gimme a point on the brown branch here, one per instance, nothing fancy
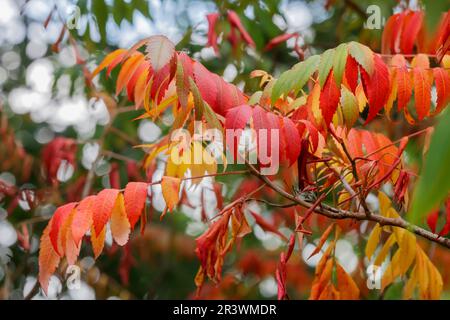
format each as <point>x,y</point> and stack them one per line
<point>338,214</point>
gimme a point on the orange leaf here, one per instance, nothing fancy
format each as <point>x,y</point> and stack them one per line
<point>346,286</point>
<point>102,208</point>
<point>170,190</point>
<point>127,70</point>
<point>48,259</point>
<point>58,219</point>
<point>82,219</point>
<point>422,92</point>
<point>404,87</point>
<point>322,240</point>
<point>115,55</point>
<point>120,226</point>
<point>98,241</point>
<point>135,196</point>
<point>71,250</point>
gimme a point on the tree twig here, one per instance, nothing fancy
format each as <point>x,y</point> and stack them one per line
<point>338,214</point>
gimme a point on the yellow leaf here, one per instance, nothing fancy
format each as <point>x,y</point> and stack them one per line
<point>410,284</point>
<point>361,97</point>
<point>98,241</point>
<point>170,189</point>
<point>435,284</point>
<point>385,250</point>
<point>120,226</point>
<point>372,242</point>
<point>385,203</point>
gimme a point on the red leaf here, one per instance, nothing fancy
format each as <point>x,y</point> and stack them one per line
<point>329,99</point>
<point>55,152</point>
<point>377,87</point>
<point>422,92</point>
<point>388,36</point>
<point>442,79</point>
<point>260,122</point>
<point>212,34</point>
<point>410,31</point>
<point>236,119</point>
<point>351,73</point>
<point>446,229</point>
<point>432,220</point>
<point>219,94</point>
<point>102,208</point>
<point>266,226</point>
<point>235,22</point>
<point>292,139</point>
<point>279,39</point>
<point>58,219</point>
<point>135,195</point>
<point>161,80</point>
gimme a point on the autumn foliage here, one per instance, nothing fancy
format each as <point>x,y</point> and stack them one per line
<point>332,158</point>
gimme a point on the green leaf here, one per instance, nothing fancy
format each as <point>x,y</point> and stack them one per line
<point>142,7</point>
<point>349,105</point>
<point>295,78</point>
<point>326,62</point>
<point>100,11</point>
<point>363,55</point>
<point>433,185</point>
<point>340,58</point>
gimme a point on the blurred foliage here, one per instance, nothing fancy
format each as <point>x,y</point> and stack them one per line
<point>162,262</point>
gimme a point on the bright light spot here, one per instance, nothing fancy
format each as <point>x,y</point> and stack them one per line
<point>268,287</point>
<point>298,16</point>
<point>346,256</point>
<point>85,292</point>
<point>230,72</point>
<point>36,49</point>
<point>8,235</point>
<point>90,153</point>
<point>11,60</point>
<point>306,252</point>
<point>8,178</point>
<point>67,57</point>
<point>26,196</point>
<point>269,240</point>
<point>39,75</point>
<point>23,100</point>
<point>102,168</point>
<point>195,228</point>
<point>65,171</point>
<point>148,131</point>
<point>9,11</point>
<point>44,135</point>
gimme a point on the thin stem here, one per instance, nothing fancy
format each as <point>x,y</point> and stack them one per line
<point>338,214</point>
